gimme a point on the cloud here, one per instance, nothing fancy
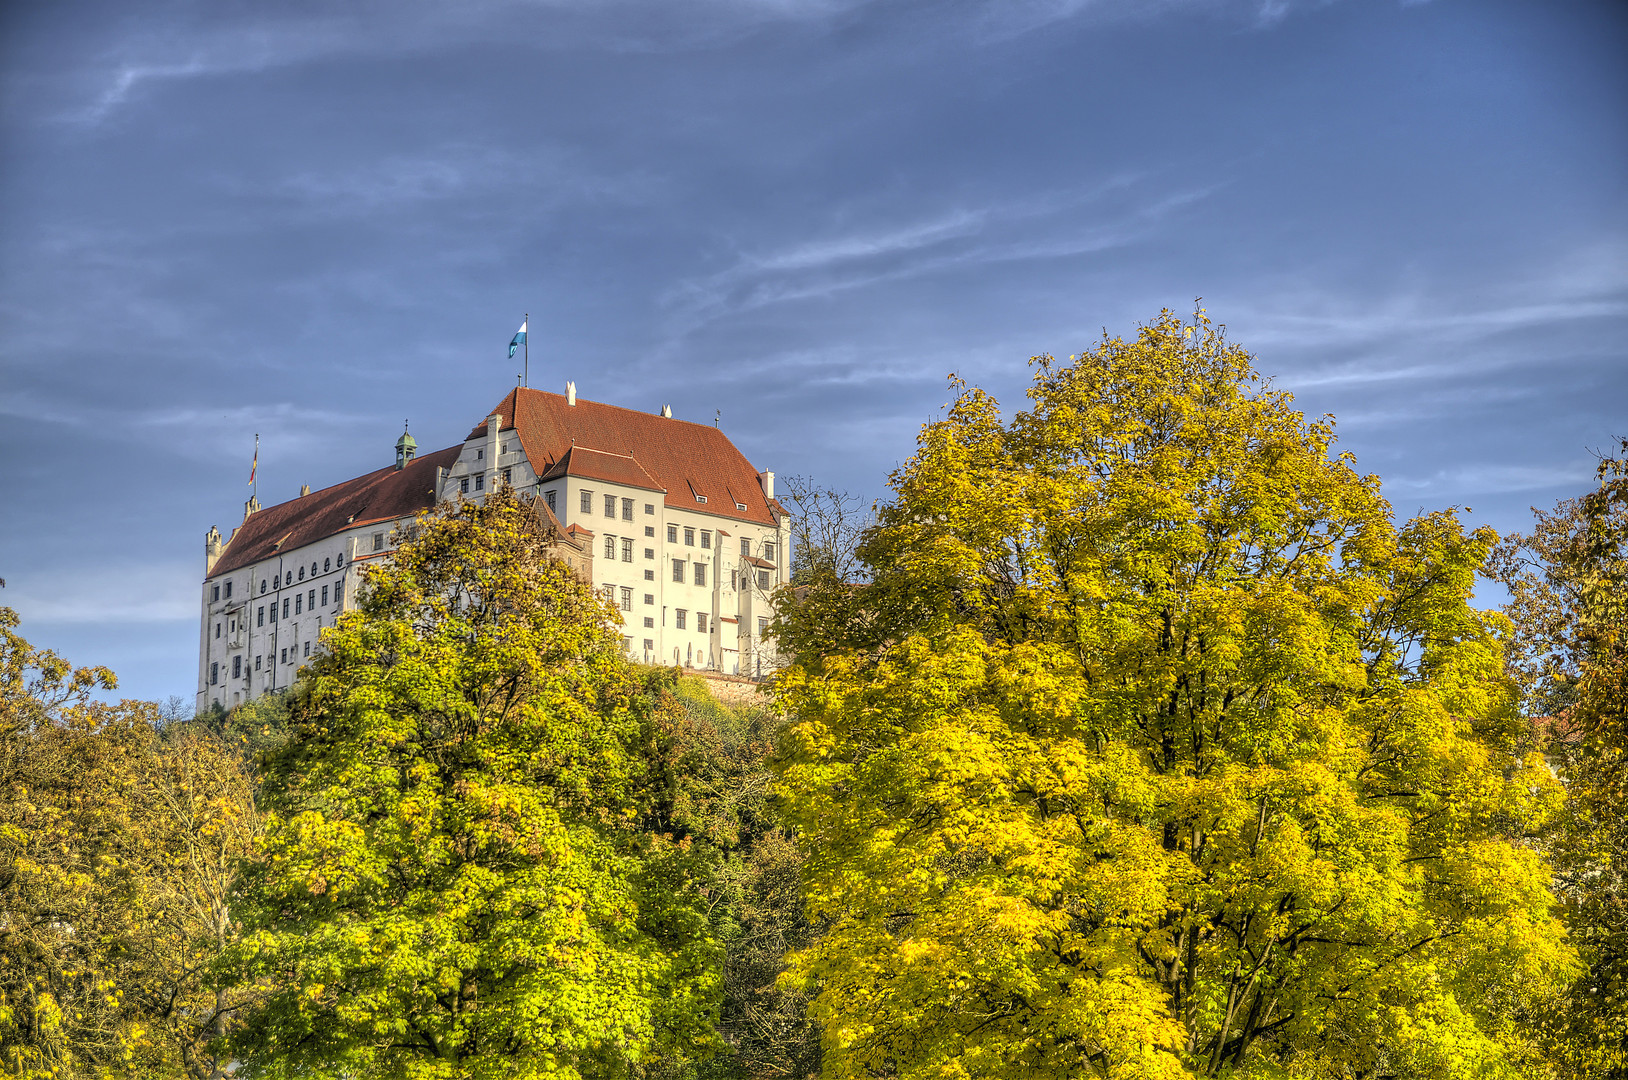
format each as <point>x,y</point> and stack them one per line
<point>109,592</point>
<point>1493,479</point>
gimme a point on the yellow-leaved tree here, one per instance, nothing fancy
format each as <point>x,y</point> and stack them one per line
<point>1155,747</point>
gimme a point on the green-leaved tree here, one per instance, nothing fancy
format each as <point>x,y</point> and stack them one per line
<point>1155,747</point>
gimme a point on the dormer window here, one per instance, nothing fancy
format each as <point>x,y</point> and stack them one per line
<point>700,498</point>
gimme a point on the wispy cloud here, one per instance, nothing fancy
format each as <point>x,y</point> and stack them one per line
<point>1493,479</point>
<point>146,591</point>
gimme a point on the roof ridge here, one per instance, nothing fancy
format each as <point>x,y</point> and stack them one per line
<point>619,408</point>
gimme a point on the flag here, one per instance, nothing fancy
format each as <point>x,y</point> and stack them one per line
<point>255,465</point>
<point>518,340</point>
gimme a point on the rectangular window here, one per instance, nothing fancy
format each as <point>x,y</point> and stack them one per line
<point>648,644</point>
<point>746,547</point>
<point>307,648</point>
<point>587,502</point>
<point>610,506</point>
<point>214,674</point>
<point>627,509</point>
<point>649,553</point>
<point>650,531</point>
<point>217,629</point>
<point>768,551</point>
<point>706,538</point>
<point>325,596</point>
<point>282,655</point>
<point>689,537</point>
<point>378,541</point>
<point>311,599</point>
<point>649,624</point>
<point>257,663</point>
<point>610,594</point>
<point>610,547</point>
<point>237,667</point>
<point>285,609</point>
<point>214,594</point>
<point>763,579</point>
<point>463,485</point>
<point>228,590</point>
<point>549,495</point>
<point>678,570</point>
<point>649,575</point>
<point>627,549</point>
<point>650,508</point>
<point>650,598</point>
<point>679,615</point>
<point>480,481</point>
<point>701,622</point>
<point>274,613</point>
<point>297,599</point>
<point>506,474</point>
<point>734,579</point>
<point>672,534</point>
<point>700,573</point>
<point>260,616</point>
<point>762,626</point>
<point>627,599</point>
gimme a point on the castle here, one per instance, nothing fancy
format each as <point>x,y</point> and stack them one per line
<point>665,517</point>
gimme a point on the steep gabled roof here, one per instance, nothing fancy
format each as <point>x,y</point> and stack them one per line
<point>384,495</point>
<point>594,464</point>
<point>684,459</point>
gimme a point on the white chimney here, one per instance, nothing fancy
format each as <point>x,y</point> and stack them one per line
<point>767,480</point>
<point>571,393</point>
<point>305,489</point>
<point>667,411</point>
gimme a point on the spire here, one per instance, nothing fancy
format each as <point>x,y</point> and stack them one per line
<point>406,447</point>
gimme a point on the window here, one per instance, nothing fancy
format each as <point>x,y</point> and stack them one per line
<point>649,624</point>
<point>740,506</point>
<point>339,560</point>
<point>282,655</point>
<point>650,598</point>
<point>627,509</point>
<point>701,622</point>
<point>706,538</point>
<point>480,481</point>
<point>610,593</point>
<point>762,626</point>
<point>627,549</point>
<point>734,579</point>
<point>228,590</point>
<point>313,570</point>
<point>587,502</point>
<point>549,495</point>
<point>648,644</point>
<point>302,573</point>
<point>689,537</point>
<point>700,498</point>
<point>325,596</point>
<point>506,476</point>
<point>700,573</point>
<point>679,615</point>
<point>214,674</point>
<point>326,564</point>
<point>311,599</point>
<point>214,594</point>
<point>649,575</point>
<point>274,612</point>
<point>746,547</point>
<point>307,648</point>
<point>257,663</point>
<point>463,485</point>
<point>378,541</point>
<point>650,508</point>
<point>627,644</point>
<point>285,609</point>
<point>768,551</point>
<point>480,455</point>
<point>610,547</point>
<point>262,586</point>
<point>260,616</point>
<point>763,579</point>
<point>217,629</point>
<point>610,506</point>
<point>672,534</point>
<point>627,599</point>
<point>678,570</point>
<point>650,531</point>
<point>297,599</point>
<point>649,553</point>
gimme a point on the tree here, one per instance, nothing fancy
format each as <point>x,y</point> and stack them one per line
<point>1154,747</point>
<point>119,839</point>
<point>826,528</point>
<point>1568,580</point>
<point>455,881</point>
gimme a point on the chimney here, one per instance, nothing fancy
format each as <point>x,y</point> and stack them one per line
<point>667,411</point>
<point>305,489</point>
<point>571,394</point>
<point>767,480</point>
<point>212,548</point>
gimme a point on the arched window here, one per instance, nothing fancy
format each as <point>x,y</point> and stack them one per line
<point>302,573</point>
<point>262,585</point>
<point>325,564</point>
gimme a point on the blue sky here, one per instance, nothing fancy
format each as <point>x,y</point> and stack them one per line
<point>314,220</point>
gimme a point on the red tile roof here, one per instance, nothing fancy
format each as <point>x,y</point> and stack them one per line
<point>384,495</point>
<point>594,464</point>
<point>683,458</point>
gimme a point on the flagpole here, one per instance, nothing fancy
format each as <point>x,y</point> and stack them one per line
<point>525,380</point>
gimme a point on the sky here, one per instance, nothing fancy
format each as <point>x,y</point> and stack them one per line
<point>798,217</point>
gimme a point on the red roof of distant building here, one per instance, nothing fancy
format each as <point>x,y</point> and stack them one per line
<point>594,464</point>
<point>682,458</point>
<point>384,495</point>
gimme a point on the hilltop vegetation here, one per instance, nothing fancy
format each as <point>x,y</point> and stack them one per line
<point>1134,737</point>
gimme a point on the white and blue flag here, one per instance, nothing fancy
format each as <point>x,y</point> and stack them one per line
<point>519,339</point>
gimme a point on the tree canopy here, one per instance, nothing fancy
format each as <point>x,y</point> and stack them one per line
<point>1154,747</point>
